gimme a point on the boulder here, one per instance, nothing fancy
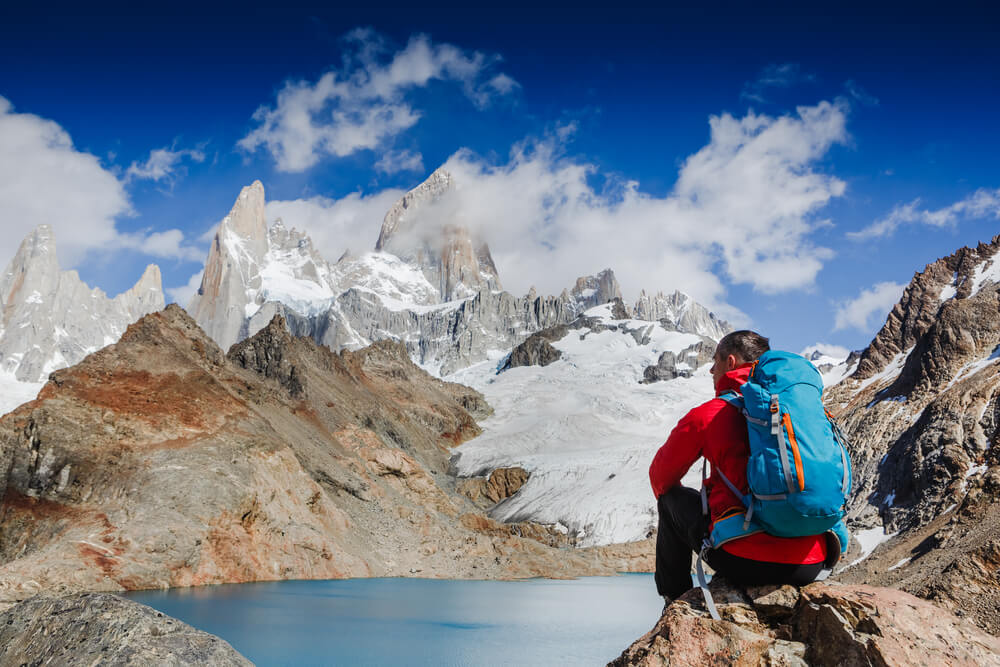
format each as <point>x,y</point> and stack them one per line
<point>99,628</point>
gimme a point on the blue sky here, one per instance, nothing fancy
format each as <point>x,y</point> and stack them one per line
<point>791,170</point>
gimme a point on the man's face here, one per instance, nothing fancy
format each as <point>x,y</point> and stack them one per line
<point>718,368</point>
<point>722,366</point>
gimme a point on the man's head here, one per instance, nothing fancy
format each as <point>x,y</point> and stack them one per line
<point>736,349</point>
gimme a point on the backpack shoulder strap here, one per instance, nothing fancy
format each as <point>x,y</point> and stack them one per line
<point>733,398</point>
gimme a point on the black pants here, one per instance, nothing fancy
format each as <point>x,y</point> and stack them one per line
<point>682,529</point>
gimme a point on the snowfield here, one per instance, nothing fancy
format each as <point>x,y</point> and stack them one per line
<point>585,429</point>
<point>14,393</point>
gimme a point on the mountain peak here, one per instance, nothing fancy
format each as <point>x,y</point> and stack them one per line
<point>49,318</point>
<point>247,218</point>
<point>452,258</point>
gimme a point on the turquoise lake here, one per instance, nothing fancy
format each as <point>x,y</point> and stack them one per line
<point>586,621</point>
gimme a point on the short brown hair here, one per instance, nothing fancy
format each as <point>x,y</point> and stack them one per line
<point>747,345</point>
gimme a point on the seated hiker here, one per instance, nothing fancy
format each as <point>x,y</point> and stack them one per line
<point>718,431</point>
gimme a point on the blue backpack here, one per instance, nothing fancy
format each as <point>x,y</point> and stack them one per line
<point>798,472</point>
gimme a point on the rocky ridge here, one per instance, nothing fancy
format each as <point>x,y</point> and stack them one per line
<point>922,413</point>
<point>429,284</point>
<point>160,461</point>
<point>50,319</point>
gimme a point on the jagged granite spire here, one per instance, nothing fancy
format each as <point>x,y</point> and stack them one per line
<point>232,268</point>
<point>682,312</point>
<point>50,319</point>
<point>451,258</point>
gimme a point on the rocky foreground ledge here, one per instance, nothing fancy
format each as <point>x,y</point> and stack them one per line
<point>99,628</point>
<point>821,624</point>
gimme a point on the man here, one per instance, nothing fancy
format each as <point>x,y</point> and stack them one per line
<point>717,431</point>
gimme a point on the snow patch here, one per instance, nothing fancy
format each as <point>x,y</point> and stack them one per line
<point>986,272</point>
<point>869,539</point>
<point>900,563</point>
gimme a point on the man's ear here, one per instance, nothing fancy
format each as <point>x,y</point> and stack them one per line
<point>732,362</point>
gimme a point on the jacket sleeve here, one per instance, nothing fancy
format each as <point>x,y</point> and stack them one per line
<point>677,454</point>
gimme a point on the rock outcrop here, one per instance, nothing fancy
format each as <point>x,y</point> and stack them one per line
<point>50,319</point>
<point>160,461</point>
<point>98,628</point>
<point>821,624</point>
<point>537,349</point>
<point>683,364</point>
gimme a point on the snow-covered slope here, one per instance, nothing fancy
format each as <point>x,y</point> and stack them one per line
<point>584,428</point>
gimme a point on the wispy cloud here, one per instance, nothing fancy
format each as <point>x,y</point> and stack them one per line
<point>364,104</point>
<point>162,164</point>
<point>863,97</point>
<point>774,76</point>
<point>981,204</point>
<point>396,161</point>
<point>875,302</point>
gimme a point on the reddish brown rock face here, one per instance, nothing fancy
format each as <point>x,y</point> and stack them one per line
<point>823,624</point>
<point>160,461</point>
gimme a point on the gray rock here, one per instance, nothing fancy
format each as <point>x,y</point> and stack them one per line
<point>683,364</point>
<point>99,628</point>
<point>50,319</point>
<point>536,350</point>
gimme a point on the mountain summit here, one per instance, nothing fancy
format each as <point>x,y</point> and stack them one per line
<point>50,319</point>
<point>420,230</point>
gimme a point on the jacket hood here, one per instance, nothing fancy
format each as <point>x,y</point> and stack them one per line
<point>733,380</point>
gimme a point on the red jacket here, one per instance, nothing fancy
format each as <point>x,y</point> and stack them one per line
<point>717,431</point>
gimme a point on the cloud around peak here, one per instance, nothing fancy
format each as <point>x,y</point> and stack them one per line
<point>743,208</point>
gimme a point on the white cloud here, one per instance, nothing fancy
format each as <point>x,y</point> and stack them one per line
<point>363,105</point>
<point>981,204</point>
<point>169,244</point>
<point>45,180</point>
<point>161,164</point>
<point>182,295</point>
<point>774,76</point>
<point>858,313</point>
<point>396,161</point>
<point>337,225</point>
<point>746,203</point>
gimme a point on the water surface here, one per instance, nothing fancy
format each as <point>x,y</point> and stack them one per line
<point>585,621</point>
